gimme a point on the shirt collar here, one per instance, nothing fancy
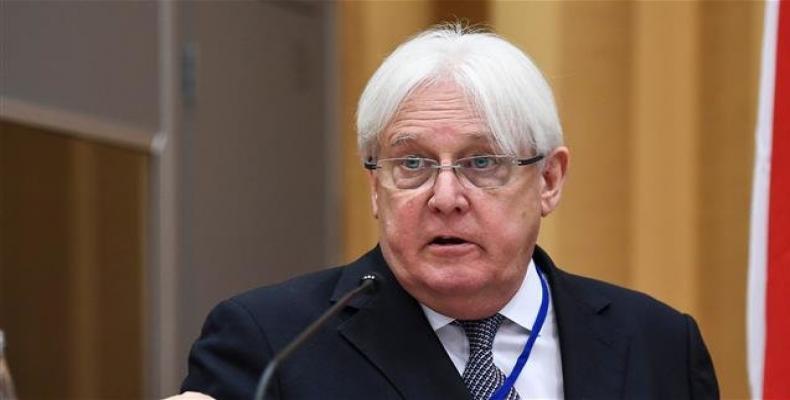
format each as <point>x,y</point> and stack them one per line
<point>522,309</point>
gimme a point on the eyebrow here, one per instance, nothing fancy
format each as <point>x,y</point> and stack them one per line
<point>404,138</point>
<point>400,139</point>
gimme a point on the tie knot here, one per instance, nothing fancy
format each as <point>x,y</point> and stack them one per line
<point>481,332</point>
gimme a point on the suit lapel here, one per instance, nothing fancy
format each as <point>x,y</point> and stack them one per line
<point>593,351</point>
<point>391,331</point>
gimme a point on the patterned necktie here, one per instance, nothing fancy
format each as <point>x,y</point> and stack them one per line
<point>481,376</point>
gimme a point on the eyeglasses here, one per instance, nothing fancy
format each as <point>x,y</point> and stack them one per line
<point>484,171</point>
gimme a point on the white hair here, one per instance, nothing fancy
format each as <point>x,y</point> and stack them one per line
<point>504,86</point>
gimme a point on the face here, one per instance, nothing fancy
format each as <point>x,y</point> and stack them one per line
<point>461,251</point>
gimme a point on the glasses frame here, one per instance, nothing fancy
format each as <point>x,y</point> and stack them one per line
<point>455,166</point>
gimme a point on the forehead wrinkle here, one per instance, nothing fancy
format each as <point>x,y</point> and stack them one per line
<point>469,125</point>
<point>405,138</point>
<point>442,104</point>
<point>416,118</point>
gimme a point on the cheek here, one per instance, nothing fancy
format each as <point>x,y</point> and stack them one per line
<point>513,224</point>
<point>399,218</point>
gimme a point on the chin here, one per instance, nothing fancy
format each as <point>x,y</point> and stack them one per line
<point>460,298</point>
<point>455,281</point>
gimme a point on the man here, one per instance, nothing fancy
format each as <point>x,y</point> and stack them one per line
<point>463,143</point>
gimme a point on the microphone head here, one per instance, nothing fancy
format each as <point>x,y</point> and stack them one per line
<point>372,280</point>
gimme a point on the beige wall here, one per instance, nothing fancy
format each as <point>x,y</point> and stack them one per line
<point>658,103</point>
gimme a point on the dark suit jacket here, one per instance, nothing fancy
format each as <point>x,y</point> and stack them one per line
<point>614,343</point>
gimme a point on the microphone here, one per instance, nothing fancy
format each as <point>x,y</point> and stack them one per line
<point>370,283</point>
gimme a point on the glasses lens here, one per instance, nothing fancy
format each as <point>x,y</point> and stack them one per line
<point>486,171</point>
<point>407,173</point>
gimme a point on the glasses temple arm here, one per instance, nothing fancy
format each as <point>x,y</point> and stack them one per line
<point>531,160</point>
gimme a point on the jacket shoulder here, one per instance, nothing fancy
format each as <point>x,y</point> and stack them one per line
<point>243,332</point>
<point>306,294</point>
<point>634,310</point>
<point>667,354</point>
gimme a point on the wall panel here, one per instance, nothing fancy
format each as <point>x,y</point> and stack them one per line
<point>730,35</point>
<point>72,224</point>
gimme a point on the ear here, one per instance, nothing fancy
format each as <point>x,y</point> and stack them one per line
<point>373,182</point>
<point>553,177</point>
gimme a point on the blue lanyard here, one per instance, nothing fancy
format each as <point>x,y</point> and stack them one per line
<point>501,394</point>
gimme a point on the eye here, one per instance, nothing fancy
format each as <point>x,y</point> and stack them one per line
<point>482,162</point>
<point>412,163</point>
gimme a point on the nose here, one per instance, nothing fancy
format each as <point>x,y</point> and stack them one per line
<point>448,194</point>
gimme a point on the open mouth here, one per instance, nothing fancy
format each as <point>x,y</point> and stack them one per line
<point>448,241</point>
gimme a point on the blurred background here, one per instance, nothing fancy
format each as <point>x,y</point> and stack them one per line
<point>157,157</point>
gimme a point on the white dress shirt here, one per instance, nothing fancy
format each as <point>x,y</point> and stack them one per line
<point>541,377</point>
